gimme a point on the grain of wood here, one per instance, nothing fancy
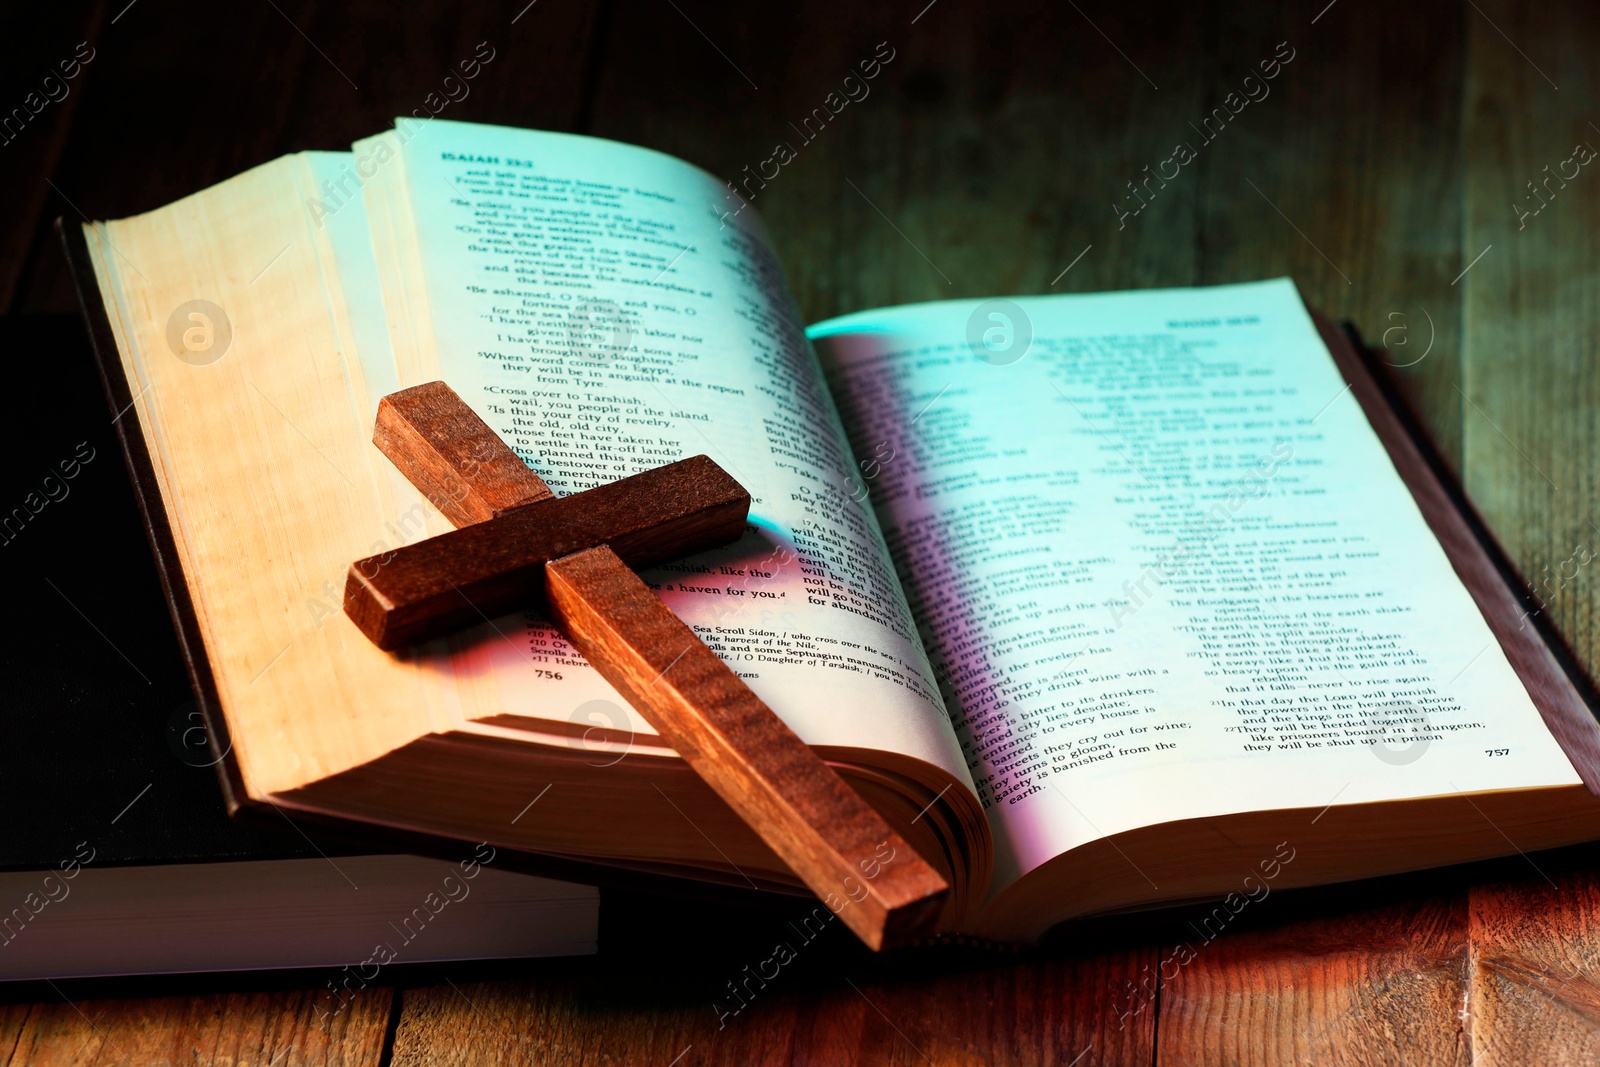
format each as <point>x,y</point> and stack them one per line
<point>1364,985</point>
<point>479,571</point>
<point>268,1029</point>
<point>1530,378</point>
<point>825,1012</point>
<point>1535,978</point>
<point>1529,386</point>
<point>459,463</point>
<point>860,868</point>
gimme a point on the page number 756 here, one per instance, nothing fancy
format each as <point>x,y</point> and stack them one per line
<point>1497,752</point>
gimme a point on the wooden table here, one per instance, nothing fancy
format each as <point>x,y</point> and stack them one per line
<point>1380,172</point>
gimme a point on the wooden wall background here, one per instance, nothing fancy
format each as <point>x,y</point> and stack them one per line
<point>1381,173</point>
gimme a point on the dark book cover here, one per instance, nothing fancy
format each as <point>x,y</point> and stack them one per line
<point>105,746</point>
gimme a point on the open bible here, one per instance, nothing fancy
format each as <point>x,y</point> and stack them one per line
<point>1103,601</point>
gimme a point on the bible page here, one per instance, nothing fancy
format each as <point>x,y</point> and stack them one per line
<point>1166,566</point>
<point>602,308</point>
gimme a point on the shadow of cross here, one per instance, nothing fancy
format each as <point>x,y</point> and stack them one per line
<point>517,544</point>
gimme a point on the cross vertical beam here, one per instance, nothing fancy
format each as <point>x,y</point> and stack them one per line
<point>565,552</point>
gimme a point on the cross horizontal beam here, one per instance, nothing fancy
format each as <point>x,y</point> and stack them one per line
<point>427,589</point>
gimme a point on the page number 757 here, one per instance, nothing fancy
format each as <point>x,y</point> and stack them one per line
<point>1491,752</point>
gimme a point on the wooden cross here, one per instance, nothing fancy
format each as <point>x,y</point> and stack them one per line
<point>517,543</point>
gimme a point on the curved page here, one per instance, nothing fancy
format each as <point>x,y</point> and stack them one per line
<point>589,300</point>
<point>1168,566</point>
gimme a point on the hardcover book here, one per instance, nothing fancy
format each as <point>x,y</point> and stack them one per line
<point>1104,601</point>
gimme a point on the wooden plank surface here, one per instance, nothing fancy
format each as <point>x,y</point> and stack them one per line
<point>1529,387</point>
<point>1530,378</point>
<point>1361,981</point>
<point>267,1029</point>
<point>986,159</point>
<point>1015,1014</point>
<point>662,996</point>
<point>1535,971</point>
